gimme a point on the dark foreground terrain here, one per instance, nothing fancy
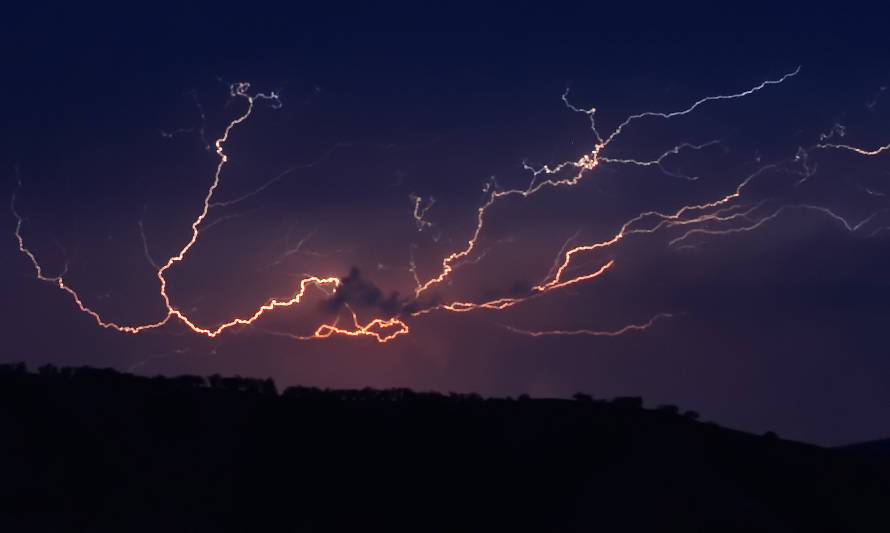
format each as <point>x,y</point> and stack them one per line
<point>95,450</point>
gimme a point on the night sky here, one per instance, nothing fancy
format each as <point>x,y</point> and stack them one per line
<point>110,118</point>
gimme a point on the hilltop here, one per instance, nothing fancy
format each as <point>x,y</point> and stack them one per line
<point>96,450</point>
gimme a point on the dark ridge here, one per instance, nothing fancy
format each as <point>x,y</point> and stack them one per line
<point>877,447</point>
<point>876,452</point>
<point>87,449</point>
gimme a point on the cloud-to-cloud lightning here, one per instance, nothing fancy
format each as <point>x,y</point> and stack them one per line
<point>590,332</point>
<point>724,215</point>
<point>861,151</point>
<point>377,328</point>
<point>581,166</point>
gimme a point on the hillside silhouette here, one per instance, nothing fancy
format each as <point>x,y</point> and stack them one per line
<point>88,449</point>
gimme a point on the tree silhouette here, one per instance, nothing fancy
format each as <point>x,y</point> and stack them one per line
<point>98,450</point>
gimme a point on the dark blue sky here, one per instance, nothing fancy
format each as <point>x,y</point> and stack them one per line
<point>782,328</point>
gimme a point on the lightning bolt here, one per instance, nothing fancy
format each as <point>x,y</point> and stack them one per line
<point>692,220</point>
<point>419,211</point>
<point>239,90</point>
<point>861,151</point>
<point>275,179</point>
<point>582,166</point>
<point>590,332</point>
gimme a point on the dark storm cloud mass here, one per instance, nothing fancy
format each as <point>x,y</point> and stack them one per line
<point>361,293</point>
<point>781,328</point>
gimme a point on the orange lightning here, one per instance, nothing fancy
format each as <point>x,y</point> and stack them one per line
<point>237,90</point>
<point>60,282</point>
<point>727,213</point>
<point>583,164</point>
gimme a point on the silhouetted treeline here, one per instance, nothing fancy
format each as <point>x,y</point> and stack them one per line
<point>86,449</point>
